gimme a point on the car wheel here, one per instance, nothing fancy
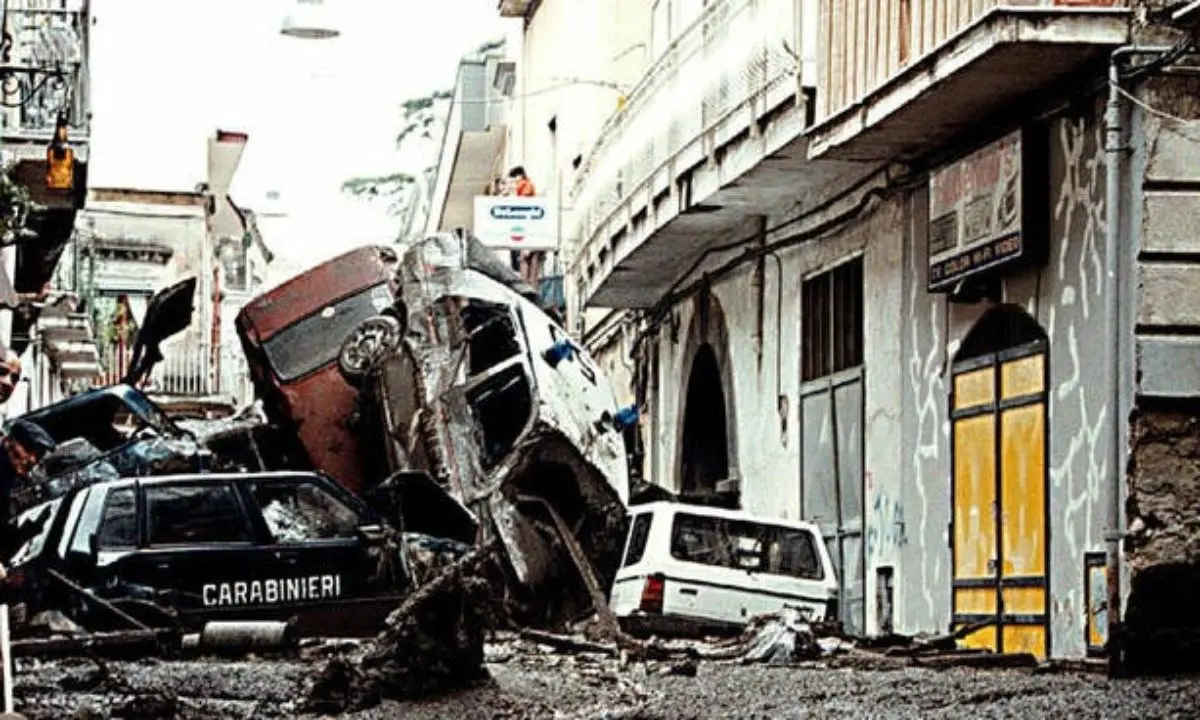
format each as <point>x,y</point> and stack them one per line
<point>367,347</point>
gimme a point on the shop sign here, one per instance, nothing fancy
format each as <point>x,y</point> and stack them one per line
<point>977,207</point>
<point>516,223</point>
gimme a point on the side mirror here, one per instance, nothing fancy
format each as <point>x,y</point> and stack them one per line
<point>94,545</point>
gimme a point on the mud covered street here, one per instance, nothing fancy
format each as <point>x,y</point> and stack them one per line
<point>530,681</point>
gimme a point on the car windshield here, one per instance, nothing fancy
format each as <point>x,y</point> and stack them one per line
<point>313,342</point>
<point>745,545</point>
<point>33,547</point>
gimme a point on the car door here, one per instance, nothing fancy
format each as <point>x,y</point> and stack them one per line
<point>316,552</point>
<point>196,543</point>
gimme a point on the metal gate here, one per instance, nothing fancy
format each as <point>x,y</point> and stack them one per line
<point>999,482</point>
<point>831,480</point>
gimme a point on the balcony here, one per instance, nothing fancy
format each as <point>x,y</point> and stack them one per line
<point>49,74</point>
<point>473,143</point>
<point>517,8</point>
<point>900,77</point>
<point>710,136</point>
<point>189,371</point>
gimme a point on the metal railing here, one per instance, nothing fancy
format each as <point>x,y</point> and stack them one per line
<point>187,370</point>
<point>50,36</point>
<point>736,51</point>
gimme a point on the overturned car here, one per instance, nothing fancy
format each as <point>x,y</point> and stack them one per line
<point>477,418</point>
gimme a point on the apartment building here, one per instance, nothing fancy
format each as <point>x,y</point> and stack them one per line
<point>921,271</point>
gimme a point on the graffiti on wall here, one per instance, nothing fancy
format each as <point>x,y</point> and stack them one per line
<point>886,529</point>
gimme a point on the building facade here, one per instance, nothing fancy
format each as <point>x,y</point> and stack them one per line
<point>921,272</point>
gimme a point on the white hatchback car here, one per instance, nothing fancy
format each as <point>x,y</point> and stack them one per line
<point>691,568</point>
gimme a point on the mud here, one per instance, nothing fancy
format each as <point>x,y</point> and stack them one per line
<point>526,680</point>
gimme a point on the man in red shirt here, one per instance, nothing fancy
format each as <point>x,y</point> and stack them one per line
<point>529,264</point>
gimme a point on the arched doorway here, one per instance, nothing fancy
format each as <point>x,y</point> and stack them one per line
<point>999,484</point>
<point>705,427</point>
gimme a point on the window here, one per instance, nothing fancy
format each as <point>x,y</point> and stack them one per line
<point>831,318</point>
<point>639,534</point>
<point>313,342</point>
<point>744,545</point>
<point>501,406</point>
<point>118,523</point>
<point>191,514</point>
<point>492,333</point>
<point>302,511</point>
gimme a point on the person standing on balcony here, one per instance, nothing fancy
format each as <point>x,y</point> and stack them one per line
<point>529,264</point>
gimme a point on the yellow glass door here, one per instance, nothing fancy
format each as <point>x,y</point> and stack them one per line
<point>999,522</point>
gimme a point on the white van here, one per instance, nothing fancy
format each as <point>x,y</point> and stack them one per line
<point>690,568</point>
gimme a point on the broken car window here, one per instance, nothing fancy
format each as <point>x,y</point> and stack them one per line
<point>187,515</point>
<point>300,512</point>
<point>33,547</point>
<point>502,405</point>
<point>492,333</point>
<point>639,533</point>
<point>118,524</point>
<point>745,545</point>
<point>313,342</point>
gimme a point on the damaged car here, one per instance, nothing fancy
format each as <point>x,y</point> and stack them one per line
<point>291,336</point>
<point>183,550</point>
<point>118,431</point>
<point>493,424</point>
<point>693,570</point>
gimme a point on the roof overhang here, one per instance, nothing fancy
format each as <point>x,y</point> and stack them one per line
<point>1001,59</point>
<point>470,175</point>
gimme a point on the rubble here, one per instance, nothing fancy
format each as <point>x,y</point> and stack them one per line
<point>432,643</point>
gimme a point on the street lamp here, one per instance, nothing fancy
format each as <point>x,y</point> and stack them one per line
<point>310,20</point>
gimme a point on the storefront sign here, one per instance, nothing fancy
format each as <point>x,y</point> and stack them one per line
<point>516,223</point>
<point>977,209</point>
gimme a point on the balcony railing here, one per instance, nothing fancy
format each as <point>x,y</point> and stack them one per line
<point>736,52</point>
<point>187,370</point>
<point>865,44</point>
<point>50,36</point>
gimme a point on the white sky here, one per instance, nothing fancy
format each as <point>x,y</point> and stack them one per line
<point>167,73</point>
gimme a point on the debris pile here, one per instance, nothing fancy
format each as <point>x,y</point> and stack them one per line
<point>432,643</point>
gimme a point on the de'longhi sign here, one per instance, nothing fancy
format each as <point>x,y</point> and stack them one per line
<point>516,223</point>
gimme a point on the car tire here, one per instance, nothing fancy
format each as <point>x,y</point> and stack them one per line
<point>365,349</point>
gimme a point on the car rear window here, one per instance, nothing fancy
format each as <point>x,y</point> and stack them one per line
<point>745,545</point>
<point>313,342</point>
<point>639,534</point>
<point>194,514</point>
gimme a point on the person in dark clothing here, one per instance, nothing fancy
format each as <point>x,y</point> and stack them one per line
<point>25,444</point>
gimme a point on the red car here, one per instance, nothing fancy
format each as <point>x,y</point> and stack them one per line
<point>291,336</point>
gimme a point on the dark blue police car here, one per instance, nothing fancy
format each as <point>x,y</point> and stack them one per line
<point>185,549</point>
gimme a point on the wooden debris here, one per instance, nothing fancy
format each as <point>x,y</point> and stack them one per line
<point>976,660</point>
<point>567,643</point>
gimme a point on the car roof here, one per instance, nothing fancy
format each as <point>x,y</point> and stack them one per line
<point>667,507</point>
<point>86,397</point>
<point>151,480</point>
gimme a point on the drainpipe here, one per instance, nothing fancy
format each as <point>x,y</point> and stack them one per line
<point>758,288</point>
<point>1115,150</point>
